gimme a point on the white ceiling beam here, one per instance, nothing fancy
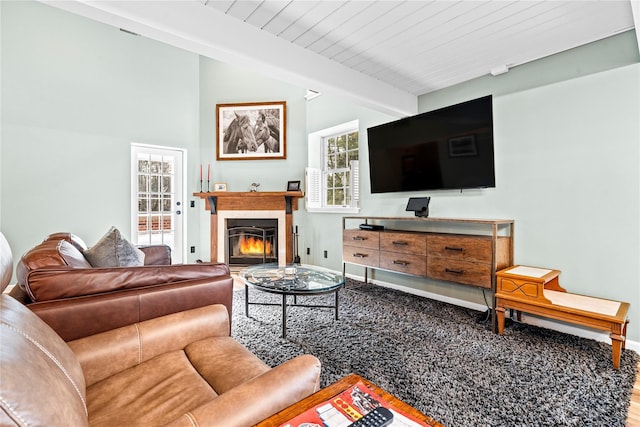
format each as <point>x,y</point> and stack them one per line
<point>196,28</point>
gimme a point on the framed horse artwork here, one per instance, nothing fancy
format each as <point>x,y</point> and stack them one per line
<point>251,131</point>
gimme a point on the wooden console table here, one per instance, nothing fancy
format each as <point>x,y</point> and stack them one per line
<point>538,291</point>
<point>286,201</point>
<point>412,247</point>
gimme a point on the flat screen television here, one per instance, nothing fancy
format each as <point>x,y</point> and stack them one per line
<point>448,148</point>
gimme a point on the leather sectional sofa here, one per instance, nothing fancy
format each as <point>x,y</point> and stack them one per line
<point>179,370</point>
<point>58,284</point>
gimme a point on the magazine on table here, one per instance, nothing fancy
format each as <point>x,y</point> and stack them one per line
<point>349,406</point>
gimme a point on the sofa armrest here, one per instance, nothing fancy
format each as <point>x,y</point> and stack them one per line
<point>64,282</point>
<point>260,397</point>
<point>156,254</point>
<point>108,353</point>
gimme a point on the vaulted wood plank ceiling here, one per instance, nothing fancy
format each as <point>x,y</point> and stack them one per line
<point>421,46</point>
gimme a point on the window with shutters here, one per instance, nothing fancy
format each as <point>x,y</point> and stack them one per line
<point>332,178</point>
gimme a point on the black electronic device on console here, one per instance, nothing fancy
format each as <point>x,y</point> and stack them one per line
<point>419,205</point>
<point>373,227</point>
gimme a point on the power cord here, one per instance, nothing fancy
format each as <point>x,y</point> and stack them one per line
<point>486,316</point>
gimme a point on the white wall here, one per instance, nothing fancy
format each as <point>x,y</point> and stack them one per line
<point>75,94</point>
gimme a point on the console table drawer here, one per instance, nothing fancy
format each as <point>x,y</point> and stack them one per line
<point>361,238</point>
<point>468,248</point>
<point>468,273</point>
<point>363,256</point>
<point>404,263</point>
<point>409,243</point>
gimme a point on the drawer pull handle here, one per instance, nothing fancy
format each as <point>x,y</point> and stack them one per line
<point>359,238</point>
<point>448,270</point>
<point>359,255</point>
<point>453,248</point>
<point>400,243</point>
<point>400,262</point>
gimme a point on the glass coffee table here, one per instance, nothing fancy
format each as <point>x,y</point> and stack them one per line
<point>291,281</point>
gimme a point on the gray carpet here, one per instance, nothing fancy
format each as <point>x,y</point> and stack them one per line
<point>439,358</point>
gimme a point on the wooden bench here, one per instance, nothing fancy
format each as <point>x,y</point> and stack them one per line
<point>538,291</point>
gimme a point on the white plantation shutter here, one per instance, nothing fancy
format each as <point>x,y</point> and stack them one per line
<point>313,179</point>
<point>355,184</point>
<point>322,162</point>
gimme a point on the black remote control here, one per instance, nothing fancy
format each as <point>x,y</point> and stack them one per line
<point>379,417</point>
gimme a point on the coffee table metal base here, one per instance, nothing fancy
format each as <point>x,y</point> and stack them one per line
<point>284,304</point>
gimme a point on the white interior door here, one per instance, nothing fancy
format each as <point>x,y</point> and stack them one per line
<point>157,198</point>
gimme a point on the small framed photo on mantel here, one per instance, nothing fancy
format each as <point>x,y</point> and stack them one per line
<point>219,186</point>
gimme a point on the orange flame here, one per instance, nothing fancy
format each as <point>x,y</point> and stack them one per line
<point>253,246</point>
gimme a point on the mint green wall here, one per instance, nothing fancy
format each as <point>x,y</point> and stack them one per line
<point>567,165</point>
<point>75,94</point>
<point>323,231</point>
<point>222,84</point>
<point>567,170</point>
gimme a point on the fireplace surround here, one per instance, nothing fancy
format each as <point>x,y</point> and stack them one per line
<point>225,205</point>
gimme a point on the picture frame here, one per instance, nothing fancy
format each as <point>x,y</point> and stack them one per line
<point>251,131</point>
<point>219,186</point>
<point>293,186</point>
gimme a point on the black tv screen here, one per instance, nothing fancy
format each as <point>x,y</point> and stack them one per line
<point>448,148</point>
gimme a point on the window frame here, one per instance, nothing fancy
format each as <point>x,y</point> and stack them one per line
<point>317,158</point>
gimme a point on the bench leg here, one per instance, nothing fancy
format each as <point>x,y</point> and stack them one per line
<point>500,314</point>
<point>617,343</point>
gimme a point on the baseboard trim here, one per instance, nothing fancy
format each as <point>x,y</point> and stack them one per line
<point>526,318</point>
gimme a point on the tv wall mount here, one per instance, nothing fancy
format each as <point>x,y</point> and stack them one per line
<point>419,205</point>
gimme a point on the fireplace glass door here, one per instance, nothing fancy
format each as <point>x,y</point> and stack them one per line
<point>251,241</point>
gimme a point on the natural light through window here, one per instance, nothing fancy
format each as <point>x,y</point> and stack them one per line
<point>332,178</point>
<point>156,197</point>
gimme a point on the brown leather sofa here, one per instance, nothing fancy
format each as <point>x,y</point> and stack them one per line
<point>58,284</point>
<point>179,370</point>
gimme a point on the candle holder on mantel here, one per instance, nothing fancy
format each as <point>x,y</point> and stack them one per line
<point>207,187</point>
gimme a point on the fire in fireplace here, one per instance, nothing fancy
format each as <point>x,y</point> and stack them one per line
<point>251,241</point>
<point>251,245</point>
